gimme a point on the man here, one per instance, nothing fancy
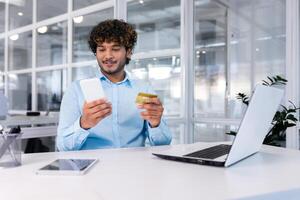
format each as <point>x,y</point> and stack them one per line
<point>115,121</point>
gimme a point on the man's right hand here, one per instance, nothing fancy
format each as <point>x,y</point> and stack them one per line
<point>93,112</point>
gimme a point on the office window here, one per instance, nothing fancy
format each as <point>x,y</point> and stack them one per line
<point>157,23</point>
<point>164,75</point>
<point>210,59</point>
<point>84,72</point>
<point>257,47</point>
<point>2,17</point>
<point>1,55</point>
<point>52,44</point>
<point>19,91</point>
<point>212,132</point>
<point>241,75</point>
<point>50,88</point>
<point>2,65</point>
<point>158,26</point>
<point>1,83</point>
<point>269,41</point>
<point>20,51</point>
<point>47,9</point>
<point>177,130</point>
<point>20,13</point>
<point>82,27</point>
<point>257,50</point>
<point>77,4</point>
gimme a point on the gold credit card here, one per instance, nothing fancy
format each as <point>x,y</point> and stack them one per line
<point>142,98</point>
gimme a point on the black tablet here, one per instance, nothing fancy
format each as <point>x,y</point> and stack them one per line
<point>67,167</point>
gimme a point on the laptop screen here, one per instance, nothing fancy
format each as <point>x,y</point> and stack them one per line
<point>256,123</point>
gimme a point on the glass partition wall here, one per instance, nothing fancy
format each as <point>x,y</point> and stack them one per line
<point>237,45</point>
<point>156,57</point>
<point>43,47</point>
<point>234,44</point>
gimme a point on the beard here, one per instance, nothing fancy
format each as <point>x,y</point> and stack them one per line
<point>112,70</point>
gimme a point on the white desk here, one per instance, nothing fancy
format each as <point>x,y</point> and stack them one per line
<point>29,120</point>
<point>49,123</point>
<point>136,174</point>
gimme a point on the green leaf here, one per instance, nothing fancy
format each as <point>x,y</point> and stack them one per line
<point>281,79</point>
<point>271,80</point>
<point>284,107</point>
<point>231,133</point>
<point>291,117</point>
<point>283,118</point>
<point>290,125</point>
<point>265,83</point>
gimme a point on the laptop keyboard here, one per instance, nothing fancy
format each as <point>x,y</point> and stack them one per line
<point>211,152</point>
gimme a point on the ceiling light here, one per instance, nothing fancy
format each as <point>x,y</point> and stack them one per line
<point>14,37</point>
<point>20,14</point>
<point>204,52</point>
<point>176,70</point>
<point>200,3</point>
<point>160,72</point>
<point>173,60</point>
<point>141,1</point>
<point>42,29</point>
<point>78,19</point>
<point>140,73</point>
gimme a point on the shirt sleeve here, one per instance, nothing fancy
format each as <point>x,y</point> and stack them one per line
<point>160,135</point>
<point>70,136</point>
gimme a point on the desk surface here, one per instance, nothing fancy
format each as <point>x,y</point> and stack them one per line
<point>136,174</point>
<point>48,128</point>
<point>29,120</point>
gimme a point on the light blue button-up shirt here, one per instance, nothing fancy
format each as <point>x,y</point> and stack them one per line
<point>123,128</point>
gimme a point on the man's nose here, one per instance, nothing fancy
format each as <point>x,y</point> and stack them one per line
<point>108,54</point>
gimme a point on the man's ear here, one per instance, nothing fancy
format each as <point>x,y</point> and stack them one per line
<point>129,53</point>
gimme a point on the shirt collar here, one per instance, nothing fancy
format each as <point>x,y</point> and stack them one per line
<point>126,80</point>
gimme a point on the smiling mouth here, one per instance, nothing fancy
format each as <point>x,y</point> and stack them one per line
<point>109,62</point>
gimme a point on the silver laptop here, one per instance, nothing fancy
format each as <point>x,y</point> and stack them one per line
<point>252,131</point>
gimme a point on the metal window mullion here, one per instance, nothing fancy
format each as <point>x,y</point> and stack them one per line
<point>292,66</point>
<point>6,50</point>
<point>219,121</point>
<point>70,43</point>
<point>252,48</point>
<point>187,75</point>
<point>33,62</point>
<point>93,8</point>
<point>21,71</point>
<point>20,30</point>
<point>51,20</point>
<point>157,54</point>
<point>227,64</point>
<point>50,68</point>
<point>120,9</point>
<point>84,63</point>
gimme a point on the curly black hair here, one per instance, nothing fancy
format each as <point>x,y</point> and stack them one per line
<point>113,30</point>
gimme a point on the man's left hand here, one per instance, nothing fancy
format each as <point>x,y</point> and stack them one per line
<point>153,111</point>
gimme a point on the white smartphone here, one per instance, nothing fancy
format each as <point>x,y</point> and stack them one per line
<point>67,167</point>
<point>92,89</point>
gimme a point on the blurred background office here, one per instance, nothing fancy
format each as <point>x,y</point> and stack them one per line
<point>198,54</point>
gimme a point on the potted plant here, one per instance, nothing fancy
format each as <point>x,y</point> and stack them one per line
<point>283,119</point>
